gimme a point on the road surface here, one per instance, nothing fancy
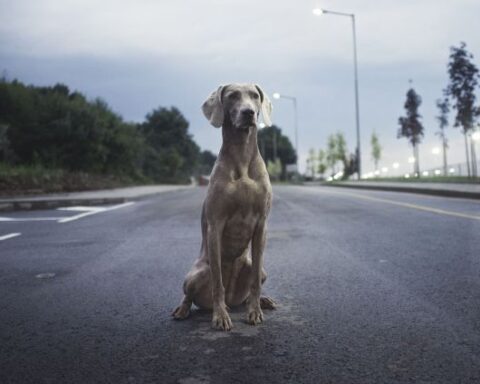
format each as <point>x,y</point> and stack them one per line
<point>373,287</point>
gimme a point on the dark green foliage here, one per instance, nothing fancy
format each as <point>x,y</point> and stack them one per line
<point>464,77</point>
<point>463,80</point>
<point>58,129</point>
<point>171,152</point>
<point>268,137</point>
<point>410,125</point>
<point>206,162</point>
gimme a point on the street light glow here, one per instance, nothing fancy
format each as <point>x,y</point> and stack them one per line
<point>476,136</point>
<point>436,150</point>
<point>317,11</point>
<point>276,95</point>
<point>411,159</point>
<point>395,165</point>
<point>262,125</point>
<point>384,169</point>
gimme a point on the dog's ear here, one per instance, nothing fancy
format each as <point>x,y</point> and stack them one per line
<point>266,107</point>
<point>213,108</point>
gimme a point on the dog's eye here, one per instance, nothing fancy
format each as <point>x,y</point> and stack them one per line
<point>234,95</point>
<point>255,96</point>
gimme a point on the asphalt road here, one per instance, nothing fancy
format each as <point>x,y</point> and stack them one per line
<point>373,287</point>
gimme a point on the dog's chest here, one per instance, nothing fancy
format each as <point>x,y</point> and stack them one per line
<point>247,196</point>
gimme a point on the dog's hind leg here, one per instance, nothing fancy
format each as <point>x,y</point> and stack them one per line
<point>197,289</point>
<point>183,310</point>
<point>265,301</point>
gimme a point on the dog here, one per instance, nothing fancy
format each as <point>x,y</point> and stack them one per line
<point>234,213</point>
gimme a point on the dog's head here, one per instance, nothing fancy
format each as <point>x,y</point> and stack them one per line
<point>239,104</point>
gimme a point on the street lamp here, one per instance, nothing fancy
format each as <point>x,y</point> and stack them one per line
<point>277,96</point>
<point>319,12</point>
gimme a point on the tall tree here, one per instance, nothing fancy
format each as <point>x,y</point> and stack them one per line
<point>443,107</point>
<point>341,147</point>
<point>322,165</point>
<point>172,154</point>
<point>463,80</point>
<point>312,162</point>
<point>283,148</point>
<point>410,125</point>
<point>332,153</point>
<point>376,149</point>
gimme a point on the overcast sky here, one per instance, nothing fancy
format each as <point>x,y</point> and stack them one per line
<point>139,55</point>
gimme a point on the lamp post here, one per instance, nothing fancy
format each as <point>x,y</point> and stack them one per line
<point>277,96</point>
<point>319,12</point>
<point>475,138</point>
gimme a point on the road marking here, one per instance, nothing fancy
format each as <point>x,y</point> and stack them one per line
<point>408,205</point>
<point>85,211</point>
<point>30,219</point>
<point>9,236</point>
<point>89,211</point>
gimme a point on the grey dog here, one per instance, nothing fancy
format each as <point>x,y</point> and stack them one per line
<point>234,213</point>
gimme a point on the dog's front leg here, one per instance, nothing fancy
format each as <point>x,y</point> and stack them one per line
<point>221,319</point>
<point>254,312</point>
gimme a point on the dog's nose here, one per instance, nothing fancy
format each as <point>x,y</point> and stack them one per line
<point>248,112</point>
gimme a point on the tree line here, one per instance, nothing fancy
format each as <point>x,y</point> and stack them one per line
<point>61,129</point>
<point>458,96</point>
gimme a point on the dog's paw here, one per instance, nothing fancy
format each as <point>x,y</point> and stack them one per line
<point>221,320</point>
<point>267,303</point>
<point>255,316</point>
<point>181,312</point>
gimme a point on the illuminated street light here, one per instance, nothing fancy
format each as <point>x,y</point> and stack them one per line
<point>425,173</point>
<point>395,165</point>
<point>276,95</point>
<point>411,159</point>
<point>436,151</point>
<point>384,169</point>
<point>476,136</point>
<point>318,12</point>
<point>262,125</point>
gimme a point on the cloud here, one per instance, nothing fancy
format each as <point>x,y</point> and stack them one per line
<point>138,55</point>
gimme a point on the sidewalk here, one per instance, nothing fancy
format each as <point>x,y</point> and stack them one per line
<point>465,190</point>
<point>106,196</point>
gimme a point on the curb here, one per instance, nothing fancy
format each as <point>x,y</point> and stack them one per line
<point>30,204</point>
<point>422,191</point>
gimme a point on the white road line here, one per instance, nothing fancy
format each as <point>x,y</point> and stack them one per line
<point>406,205</point>
<point>91,211</point>
<point>82,209</point>
<point>29,219</point>
<point>9,236</point>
